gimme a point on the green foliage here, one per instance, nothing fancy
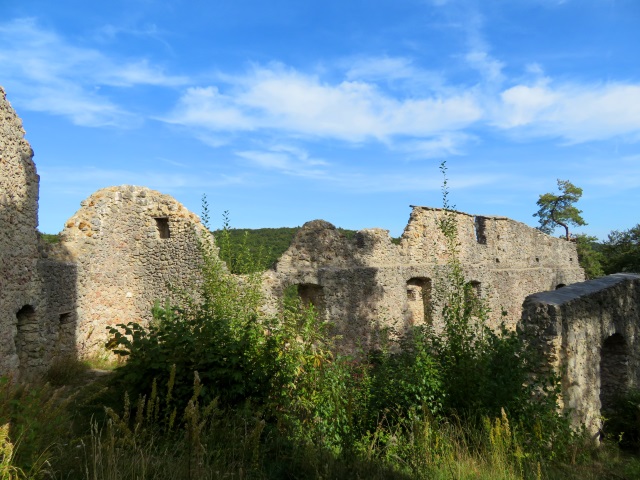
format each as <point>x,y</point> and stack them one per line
<point>621,251</point>
<point>486,371</point>
<point>559,210</point>
<point>36,417</point>
<point>622,422</point>
<point>241,255</point>
<point>405,382</point>
<point>282,364</point>
<point>66,371</point>
<point>590,255</point>
<point>50,237</point>
<point>266,243</point>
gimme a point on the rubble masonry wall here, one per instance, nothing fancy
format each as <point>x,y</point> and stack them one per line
<point>369,283</point>
<point>588,333</point>
<point>131,246</point>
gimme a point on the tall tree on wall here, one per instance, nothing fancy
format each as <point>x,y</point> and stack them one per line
<point>559,210</point>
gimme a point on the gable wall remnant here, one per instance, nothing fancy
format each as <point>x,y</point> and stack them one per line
<point>370,283</point>
<point>132,246</point>
<point>124,249</point>
<point>589,333</point>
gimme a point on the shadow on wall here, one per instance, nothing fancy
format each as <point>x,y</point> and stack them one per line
<point>44,321</point>
<point>614,371</point>
<point>327,270</point>
<point>46,329</point>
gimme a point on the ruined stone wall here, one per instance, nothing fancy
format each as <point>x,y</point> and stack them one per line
<point>130,244</point>
<point>124,247</point>
<point>368,283</point>
<point>589,333</point>
<point>118,254</point>
<point>36,293</point>
<point>18,241</point>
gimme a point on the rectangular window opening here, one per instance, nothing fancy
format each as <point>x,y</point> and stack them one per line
<point>480,227</point>
<point>163,227</point>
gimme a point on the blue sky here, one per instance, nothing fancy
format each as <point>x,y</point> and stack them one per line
<point>287,111</point>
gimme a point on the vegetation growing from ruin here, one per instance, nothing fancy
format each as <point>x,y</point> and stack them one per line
<point>388,413</point>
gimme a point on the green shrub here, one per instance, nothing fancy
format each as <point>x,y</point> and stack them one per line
<point>622,422</point>
<point>37,419</point>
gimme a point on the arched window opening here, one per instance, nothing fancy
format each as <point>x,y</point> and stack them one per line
<point>27,333</point>
<point>472,295</point>
<point>419,300</point>
<point>614,370</point>
<point>312,294</point>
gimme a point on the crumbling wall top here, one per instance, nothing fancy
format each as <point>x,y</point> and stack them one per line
<point>125,209</point>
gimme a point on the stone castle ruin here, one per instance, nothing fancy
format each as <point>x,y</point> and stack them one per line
<point>370,283</point>
<point>129,246</point>
<point>120,252</point>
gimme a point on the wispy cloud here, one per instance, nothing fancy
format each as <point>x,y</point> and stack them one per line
<point>410,181</point>
<point>47,73</point>
<point>286,159</point>
<point>73,179</point>
<point>625,176</point>
<point>445,145</point>
<point>371,98</point>
<point>380,68</point>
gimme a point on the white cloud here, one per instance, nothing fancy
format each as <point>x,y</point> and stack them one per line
<point>486,65</point>
<point>575,112</point>
<point>523,104</point>
<point>208,109</point>
<point>80,106</point>
<point>138,72</point>
<point>282,99</point>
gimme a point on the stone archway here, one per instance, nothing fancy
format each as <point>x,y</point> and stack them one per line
<point>614,370</point>
<point>26,339</point>
<point>419,300</point>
